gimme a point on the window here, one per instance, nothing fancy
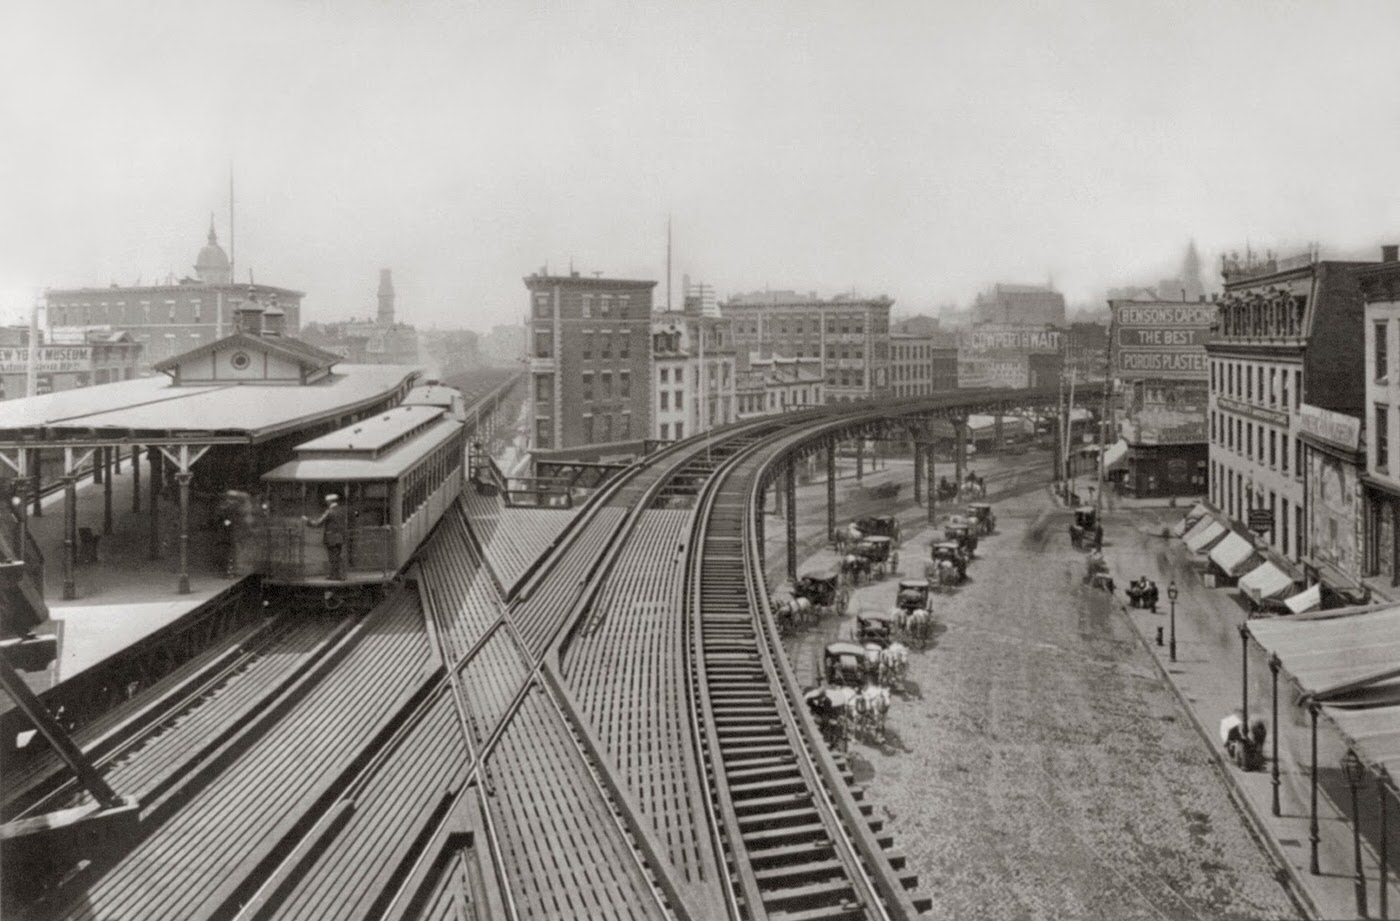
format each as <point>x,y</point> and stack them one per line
<point>680,431</point>
<point>665,430</point>
<point>621,309</point>
<point>1382,436</point>
<point>588,387</point>
<point>626,431</point>
<point>607,385</point>
<point>624,385</point>
<point>588,346</point>
<point>544,388</point>
<point>1297,389</point>
<point>544,433</point>
<point>1273,448</point>
<point>665,375</point>
<point>586,308</point>
<point>543,308</point>
<point>604,305</point>
<point>665,399</point>
<point>607,434</point>
<point>607,347</point>
<point>544,343</point>
<point>624,346</point>
<point>195,303</point>
<point>680,396</point>
<point>1382,359</point>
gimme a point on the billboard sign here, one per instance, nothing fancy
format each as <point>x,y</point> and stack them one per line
<point>1161,339</point>
<point>51,359</point>
<point>1008,340</point>
<point>1334,428</point>
<point>1165,412</point>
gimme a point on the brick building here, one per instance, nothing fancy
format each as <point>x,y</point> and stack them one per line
<point>848,336</point>
<point>1021,305</point>
<point>1287,336</point>
<point>168,319</point>
<point>92,358</point>
<point>693,372</point>
<point>590,360</point>
<point>776,385</point>
<point>1380,479</point>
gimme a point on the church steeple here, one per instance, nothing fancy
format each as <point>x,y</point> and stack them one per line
<point>386,298</point>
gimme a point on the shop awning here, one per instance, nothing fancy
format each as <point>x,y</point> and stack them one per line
<point>1374,733</point>
<point>1347,656</point>
<point>1116,455</point>
<point>1266,581</point>
<point>1309,599</point>
<point>1192,519</point>
<point>1204,534</point>
<point>1232,554</point>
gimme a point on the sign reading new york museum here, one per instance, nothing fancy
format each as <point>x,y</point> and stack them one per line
<point>1164,340</point>
<point>49,359</point>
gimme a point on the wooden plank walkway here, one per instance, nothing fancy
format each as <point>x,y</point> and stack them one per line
<point>626,667</point>
<point>490,681</point>
<point>512,538</point>
<point>564,856</point>
<point>392,808</point>
<point>203,851</point>
<point>539,617</point>
<point>462,591</point>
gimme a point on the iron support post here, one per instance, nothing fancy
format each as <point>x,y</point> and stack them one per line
<point>70,536</point>
<point>790,487</point>
<point>831,488</point>
<point>106,455</point>
<point>860,457</point>
<point>1355,775</point>
<point>1313,836</point>
<point>1244,673</point>
<point>1274,666</point>
<point>183,480</point>
<point>38,467</point>
<point>153,458</point>
<point>1383,858</point>
<point>918,475</point>
<point>135,479</point>
<point>1172,645</point>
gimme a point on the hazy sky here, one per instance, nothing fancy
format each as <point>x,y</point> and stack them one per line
<point>922,149</point>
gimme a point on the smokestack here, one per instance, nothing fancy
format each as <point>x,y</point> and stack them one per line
<point>1390,253</point>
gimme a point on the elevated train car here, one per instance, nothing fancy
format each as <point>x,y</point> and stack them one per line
<point>395,473</point>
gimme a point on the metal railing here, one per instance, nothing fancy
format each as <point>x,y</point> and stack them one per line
<point>289,551</point>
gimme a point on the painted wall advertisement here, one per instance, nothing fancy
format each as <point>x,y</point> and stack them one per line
<point>52,359</point>
<point>1165,412</point>
<point>1334,513</point>
<point>1161,340</point>
<point>998,354</point>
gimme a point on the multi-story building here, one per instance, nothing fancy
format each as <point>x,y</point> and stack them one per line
<point>168,319</point>
<point>849,336</point>
<point>1020,305</point>
<point>911,365</point>
<point>693,380</point>
<point>1380,496</point>
<point>776,385</point>
<point>1287,335</point>
<point>93,358</point>
<point>1015,355</point>
<point>504,346</point>
<point>381,341</point>
<point>590,360</point>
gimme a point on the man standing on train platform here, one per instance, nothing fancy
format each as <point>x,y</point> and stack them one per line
<point>334,522</point>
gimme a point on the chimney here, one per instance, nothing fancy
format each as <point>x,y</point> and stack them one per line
<point>386,298</point>
<point>1390,253</point>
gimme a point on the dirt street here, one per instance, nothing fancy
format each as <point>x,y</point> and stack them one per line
<point>1036,767</point>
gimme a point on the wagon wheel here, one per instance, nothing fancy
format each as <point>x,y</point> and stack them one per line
<point>843,599</point>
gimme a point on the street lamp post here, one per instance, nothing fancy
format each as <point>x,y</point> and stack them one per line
<point>1355,771</point>
<point>1171,597</point>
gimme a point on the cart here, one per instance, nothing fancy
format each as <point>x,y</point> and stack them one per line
<point>879,553</point>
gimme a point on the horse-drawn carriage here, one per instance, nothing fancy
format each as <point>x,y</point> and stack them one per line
<point>946,490</point>
<point>841,712</point>
<point>960,532</point>
<point>979,515</point>
<point>844,664</point>
<point>874,627</point>
<point>1086,530</point>
<point>947,564</point>
<point>871,555</point>
<point>824,590</point>
<point>879,526</point>
<point>913,594</point>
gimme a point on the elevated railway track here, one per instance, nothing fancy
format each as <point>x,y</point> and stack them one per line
<point>456,752</point>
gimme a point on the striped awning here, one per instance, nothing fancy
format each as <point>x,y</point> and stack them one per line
<point>1341,657</point>
<point>1192,518</point>
<point>1373,733</point>
<point>1201,537</point>
<point>1233,555</point>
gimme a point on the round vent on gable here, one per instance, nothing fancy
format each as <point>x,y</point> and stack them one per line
<point>240,361</point>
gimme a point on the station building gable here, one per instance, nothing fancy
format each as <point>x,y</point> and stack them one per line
<point>244,358</point>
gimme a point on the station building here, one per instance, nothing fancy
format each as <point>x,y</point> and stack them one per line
<point>1288,330</point>
<point>168,319</point>
<point>590,361</point>
<point>849,337</point>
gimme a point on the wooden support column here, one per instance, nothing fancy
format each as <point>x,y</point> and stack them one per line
<point>791,490</point>
<point>70,536</point>
<point>97,471</point>
<point>108,473</point>
<point>135,479</point>
<point>38,467</point>
<point>153,457</point>
<point>183,479</point>
<point>117,459</point>
<point>831,488</point>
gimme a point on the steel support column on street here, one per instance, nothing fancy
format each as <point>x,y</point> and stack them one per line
<point>108,473</point>
<point>918,474</point>
<point>790,487</point>
<point>1314,835</point>
<point>1274,666</point>
<point>860,457</point>
<point>1244,673</point>
<point>831,488</point>
<point>932,486</point>
<point>960,448</point>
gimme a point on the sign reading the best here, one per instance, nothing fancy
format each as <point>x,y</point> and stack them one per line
<point>1166,340</point>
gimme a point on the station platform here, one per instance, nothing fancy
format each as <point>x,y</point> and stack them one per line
<point>512,539</point>
<point>124,595</point>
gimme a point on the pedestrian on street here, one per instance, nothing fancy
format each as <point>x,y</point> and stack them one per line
<point>334,524</point>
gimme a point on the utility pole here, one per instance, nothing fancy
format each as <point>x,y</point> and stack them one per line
<point>1106,428</point>
<point>31,371</point>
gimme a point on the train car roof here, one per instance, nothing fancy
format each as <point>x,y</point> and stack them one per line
<point>386,466</point>
<point>432,394</point>
<point>373,434</point>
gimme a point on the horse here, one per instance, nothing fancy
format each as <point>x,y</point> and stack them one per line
<point>894,662</point>
<point>847,537</point>
<point>920,627</point>
<point>783,610</point>
<point>802,609</point>
<point>870,707</point>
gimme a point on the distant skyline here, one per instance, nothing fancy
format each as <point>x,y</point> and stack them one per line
<point>922,150</point>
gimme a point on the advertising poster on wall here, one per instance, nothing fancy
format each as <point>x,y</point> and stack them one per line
<point>1161,339</point>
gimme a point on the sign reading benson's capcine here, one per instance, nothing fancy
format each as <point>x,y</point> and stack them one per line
<point>1162,340</point>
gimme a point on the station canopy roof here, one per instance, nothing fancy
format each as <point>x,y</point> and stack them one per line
<point>156,408</point>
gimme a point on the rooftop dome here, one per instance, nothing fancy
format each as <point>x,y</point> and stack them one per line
<point>212,266</point>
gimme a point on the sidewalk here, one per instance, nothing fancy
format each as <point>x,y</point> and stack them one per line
<point>1206,678</point>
